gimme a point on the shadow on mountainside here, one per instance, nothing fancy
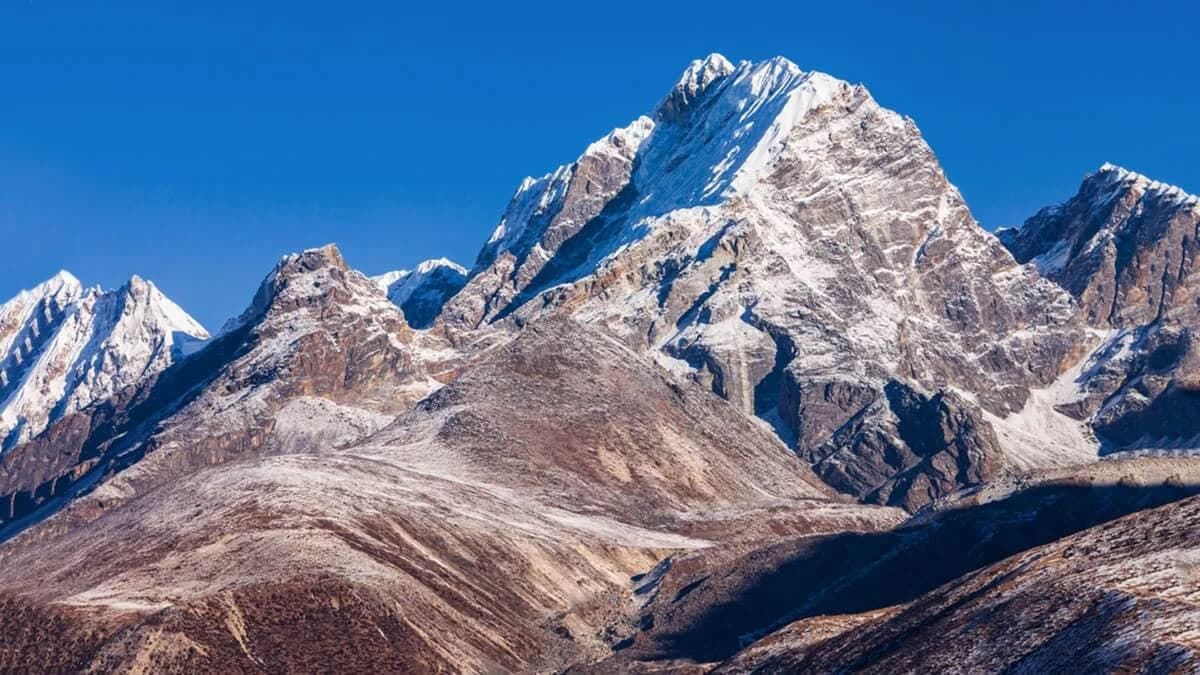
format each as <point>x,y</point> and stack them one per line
<point>708,613</point>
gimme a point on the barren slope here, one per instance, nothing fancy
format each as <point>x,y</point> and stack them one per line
<point>495,526</point>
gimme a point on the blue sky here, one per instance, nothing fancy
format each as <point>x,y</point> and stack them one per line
<point>195,145</point>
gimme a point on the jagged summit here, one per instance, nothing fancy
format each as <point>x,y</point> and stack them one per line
<point>315,329</point>
<point>62,286</point>
<point>1088,242</point>
<point>301,278</point>
<point>63,347</point>
<point>1109,171</point>
<point>312,258</point>
<point>1125,247</point>
<point>61,279</point>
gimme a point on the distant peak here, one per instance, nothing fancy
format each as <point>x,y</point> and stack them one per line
<point>386,279</point>
<point>437,263</point>
<point>63,282</point>
<point>1110,170</point>
<point>65,277</point>
<point>781,63</point>
<point>62,279</point>
<point>703,71</point>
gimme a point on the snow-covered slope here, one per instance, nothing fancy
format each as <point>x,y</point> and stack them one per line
<point>63,347</point>
<point>778,235</point>
<point>422,292</point>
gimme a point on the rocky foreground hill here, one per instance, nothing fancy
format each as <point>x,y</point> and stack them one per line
<point>743,388</point>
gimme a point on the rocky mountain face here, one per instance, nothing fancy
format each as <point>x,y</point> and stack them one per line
<point>780,237</point>
<point>1124,246</point>
<point>64,347</point>
<point>421,293</point>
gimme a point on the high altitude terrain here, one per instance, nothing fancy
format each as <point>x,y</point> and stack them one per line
<point>744,387</point>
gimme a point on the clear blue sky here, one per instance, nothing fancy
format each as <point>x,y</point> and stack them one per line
<point>195,146</point>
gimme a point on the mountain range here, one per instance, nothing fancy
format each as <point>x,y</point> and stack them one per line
<point>743,388</point>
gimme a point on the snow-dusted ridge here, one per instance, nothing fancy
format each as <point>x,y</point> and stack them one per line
<point>64,347</point>
<point>1173,192</point>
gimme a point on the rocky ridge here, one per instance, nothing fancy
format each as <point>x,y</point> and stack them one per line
<point>495,525</point>
<point>314,329</point>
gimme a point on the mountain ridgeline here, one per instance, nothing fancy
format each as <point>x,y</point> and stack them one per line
<point>743,388</point>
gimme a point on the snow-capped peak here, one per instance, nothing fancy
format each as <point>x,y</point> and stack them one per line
<point>63,283</point>
<point>63,348</point>
<point>422,292</point>
<point>622,140</point>
<point>777,223</point>
<point>385,280</point>
<point>61,279</point>
<point>429,266</point>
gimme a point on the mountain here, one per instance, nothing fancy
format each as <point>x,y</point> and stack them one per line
<point>423,292</point>
<point>63,348</point>
<point>780,237</point>
<point>276,501</point>
<point>1124,246</point>
<point>744,388</point>
<point>317,358</point>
